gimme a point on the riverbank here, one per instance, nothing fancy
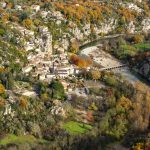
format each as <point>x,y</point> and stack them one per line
<point>106,60</point>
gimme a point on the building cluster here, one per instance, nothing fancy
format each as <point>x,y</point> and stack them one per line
<point>50,67</point>
<point>41,61</point>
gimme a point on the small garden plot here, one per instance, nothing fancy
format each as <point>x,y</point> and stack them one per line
<point>142,47</point>
<point>13,139</point>
<point>76,128</point>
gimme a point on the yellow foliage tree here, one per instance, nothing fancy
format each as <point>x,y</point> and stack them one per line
<point>2,102</point>
<point>95,74</point>
<point>27,23</point>
<point>5,17</point>
<point>23,102</point>
<point>2,89</point>
<point>74,47</point>
<point>138,38</point>
<point>124,103</point>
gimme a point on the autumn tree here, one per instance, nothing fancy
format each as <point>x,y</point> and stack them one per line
<point>2,89</point>
<point>95,74</point>
<point>23,102</point>
<point>138,38</point>
<point>5,17</point>
<point>127,14</point>
<point>27,23</point>
<point>124,103</point>
<point>74,47</point>
<point>140,113</point>
<point>81,62</point>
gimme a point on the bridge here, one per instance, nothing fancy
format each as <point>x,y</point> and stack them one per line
<point>113,68</point>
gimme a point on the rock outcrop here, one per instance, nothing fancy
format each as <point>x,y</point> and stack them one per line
<point>143,68</point>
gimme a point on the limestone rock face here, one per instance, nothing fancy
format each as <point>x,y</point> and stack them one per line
<point>146,25</point>
<point>143,68</point>
<point>131,27</point>
<point>45,41</point>
<point>106,26</point>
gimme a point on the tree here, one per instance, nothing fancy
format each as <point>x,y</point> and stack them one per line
<point>27,23</point>
<point>138,38</point>
<point>23,102</point>
<point>57,90</point>
<point>2,102</point>
<point>95,74</point>
<point>5,17</point>
<point>80,61</point>
<point>74,47</point>
<point>124,103</point>
<point>111,81</point>
<point>140,113</point>
<point>2,89</point>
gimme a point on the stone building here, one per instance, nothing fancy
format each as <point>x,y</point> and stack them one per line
<point>45,41</point>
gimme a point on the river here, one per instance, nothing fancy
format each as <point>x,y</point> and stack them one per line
<point>106,60</point>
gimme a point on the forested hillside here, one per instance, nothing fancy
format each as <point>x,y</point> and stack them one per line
<point>74,74</point>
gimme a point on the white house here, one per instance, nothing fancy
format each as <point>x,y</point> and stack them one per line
<point>63,72</point>
<point>18,7</point>
<point>8,109</point>
<point>3,4</point>
<point>60,50</point>
<point>36,8</point>
<point>50,76</point>
<point>27,69</point>
<point>42,77</point>
<point>44,14</point>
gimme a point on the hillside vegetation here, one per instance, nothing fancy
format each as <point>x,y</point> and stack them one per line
<point>52,97</point>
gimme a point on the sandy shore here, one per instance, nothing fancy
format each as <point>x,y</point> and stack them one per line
<point>101,57</point>
<point>107,61</point>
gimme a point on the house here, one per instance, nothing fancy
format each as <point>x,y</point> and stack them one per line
<point>35,8</point>
<point>45,40</point>
<point>18,7</point>
<point>29,46</point>
<point>65,84</point>
<point>60,50</point>
<point>58,15</point>
<point>58,22</point>
<point>42,77</point>
<point>58,110</point>
<point>63,72</point>
<point>50,76</point>
<point>44,14</point>
<point>3,4</point>
<point>87,29</point>
<point>8,110</point>
<point>29,93</point>
<point>27,69</point>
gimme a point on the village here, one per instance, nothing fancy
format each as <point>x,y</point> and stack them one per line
<point>48,61</point>
<point>73,74</point>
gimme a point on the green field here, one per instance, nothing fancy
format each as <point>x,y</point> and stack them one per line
<point>76,128</point>
<point>13,139</point>
<point>142,47</point>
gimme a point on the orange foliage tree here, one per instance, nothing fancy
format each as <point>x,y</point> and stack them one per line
<point>27,23</point>
<point>80,62</point>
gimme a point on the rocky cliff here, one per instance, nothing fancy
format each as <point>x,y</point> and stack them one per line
<point>143,67</point>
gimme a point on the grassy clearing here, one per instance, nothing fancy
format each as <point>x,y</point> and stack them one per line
<point>76,128</point>
<point>142,47</point>
<point>13,139</point>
